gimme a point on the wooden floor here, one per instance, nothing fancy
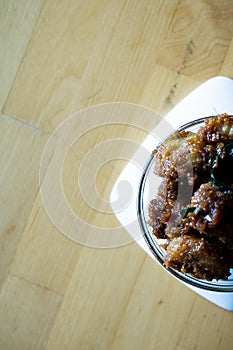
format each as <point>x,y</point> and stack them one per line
<point>58,58</point>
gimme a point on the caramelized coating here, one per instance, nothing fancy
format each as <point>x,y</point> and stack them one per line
<point>213,214</point>
<point>186,156</point>
<point>175,157</point>
<point>166,196</point>
<point>193,206</point>
<point>217,130</point>
<point>199,257</point>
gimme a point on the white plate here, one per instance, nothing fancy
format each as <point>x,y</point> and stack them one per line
<point>213,97</point>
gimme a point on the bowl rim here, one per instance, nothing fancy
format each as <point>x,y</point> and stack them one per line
<point>224,285</point>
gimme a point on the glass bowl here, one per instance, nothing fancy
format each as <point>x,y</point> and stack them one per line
<point>147,191</point>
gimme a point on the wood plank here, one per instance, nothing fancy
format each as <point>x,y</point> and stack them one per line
<point>165,88</point>
<point>198,38</point>
<point>42,237</point>
<point>108,55</point>
<point>21,148</point>
<point>207,326</point>
<point>172,317</point>
<point>28,312</point>
<point>52,256</point>
<point>89,316</point>
<point>227,67</point>
<point>17,20</point>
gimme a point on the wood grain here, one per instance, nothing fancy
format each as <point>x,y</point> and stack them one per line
<point>98,316</point>
<point>227,64</point>
<point>29,312</point>
<point>111,58</point>
<point>198,38</point>
<point>58,58</point>
<point>21,148</point>
<point>17,20</point>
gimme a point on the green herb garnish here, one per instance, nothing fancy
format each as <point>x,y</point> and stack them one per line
<point>221,172</point>
<point>186,211</point>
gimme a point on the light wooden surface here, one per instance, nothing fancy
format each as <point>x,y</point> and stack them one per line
<point>57,58</point>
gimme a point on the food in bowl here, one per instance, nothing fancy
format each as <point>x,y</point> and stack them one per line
<point>192,213</point>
